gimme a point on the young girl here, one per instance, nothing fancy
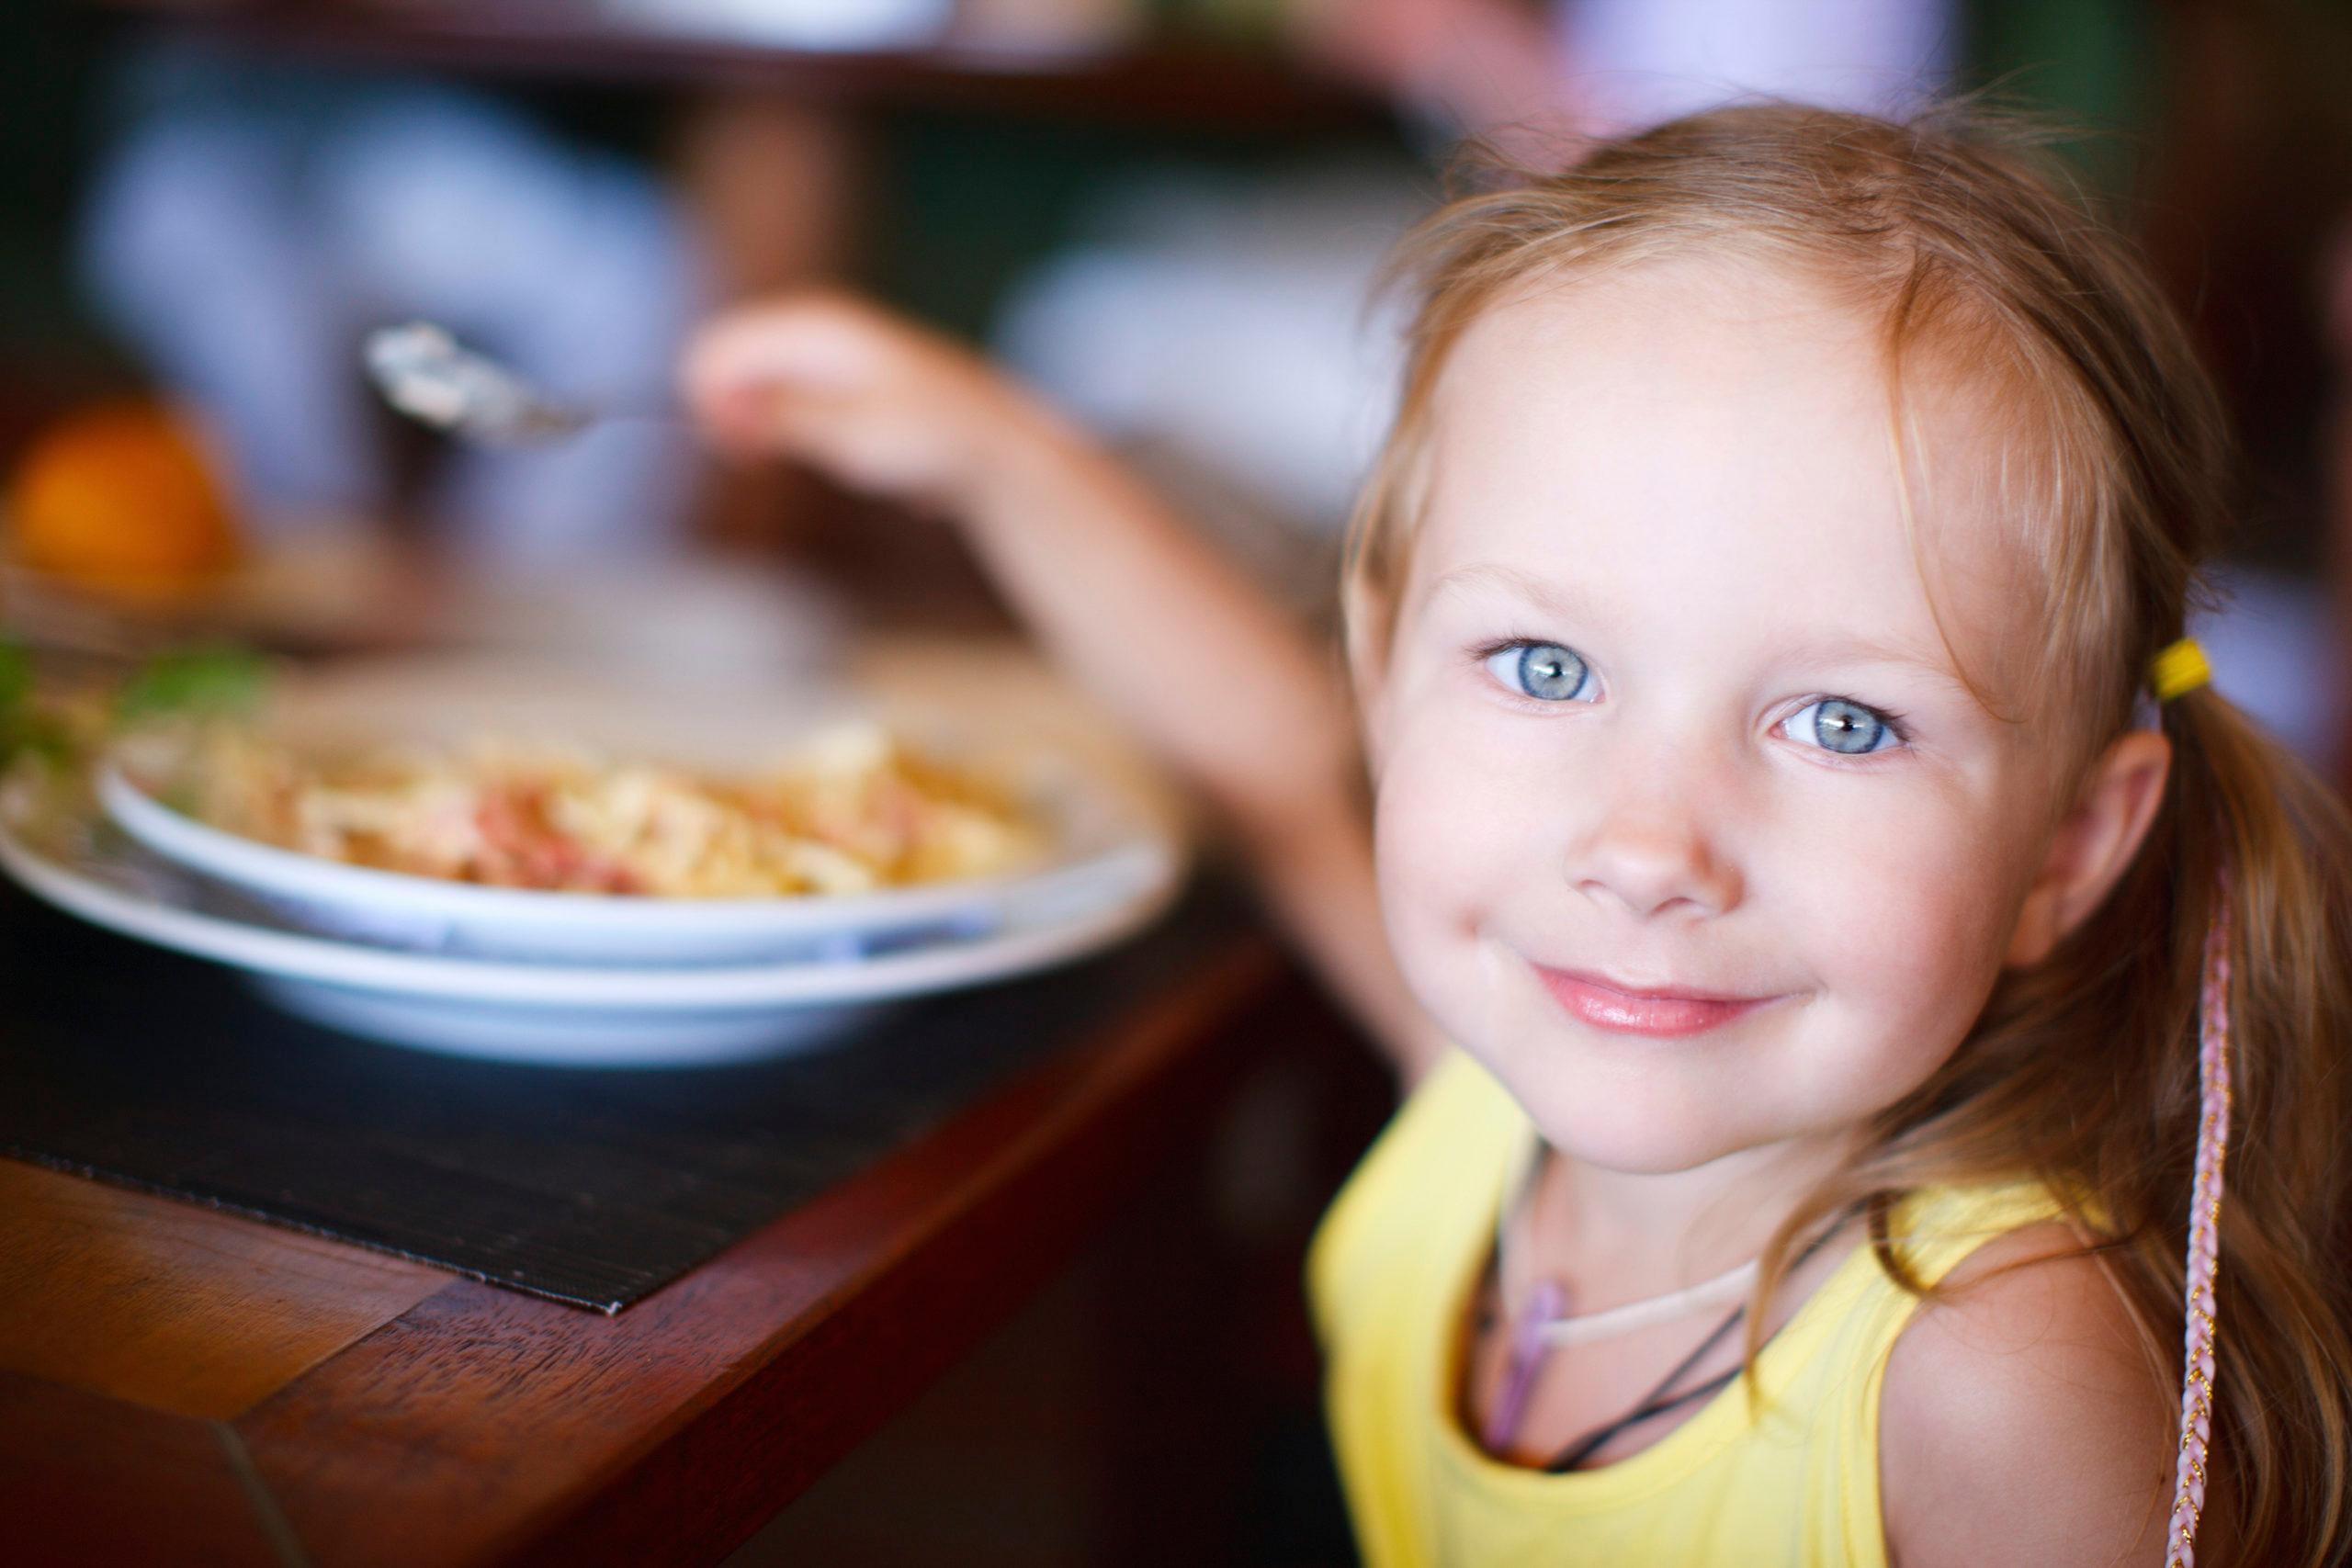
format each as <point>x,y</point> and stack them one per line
<point>1833,926</point>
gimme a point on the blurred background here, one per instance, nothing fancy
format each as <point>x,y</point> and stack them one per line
<point>1168,215</point>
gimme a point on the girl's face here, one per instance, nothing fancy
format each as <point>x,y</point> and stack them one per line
<point>1689,827</point>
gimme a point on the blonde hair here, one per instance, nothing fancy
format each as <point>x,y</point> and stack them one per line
<point>2081,1071</point>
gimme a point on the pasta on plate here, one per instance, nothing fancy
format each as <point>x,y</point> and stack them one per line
<point>855,810</point>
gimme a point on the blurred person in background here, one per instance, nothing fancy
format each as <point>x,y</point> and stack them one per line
<point>252,221</point>
<point>1536,74</point>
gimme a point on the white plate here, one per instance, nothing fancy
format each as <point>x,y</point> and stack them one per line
<point>1095,829</point>
<point>601,1016</point>
<point>1094,841</point>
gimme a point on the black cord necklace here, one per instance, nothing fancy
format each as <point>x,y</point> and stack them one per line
<point>1659,1400</point>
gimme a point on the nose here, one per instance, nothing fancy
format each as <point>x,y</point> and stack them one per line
<point>1652,856</point>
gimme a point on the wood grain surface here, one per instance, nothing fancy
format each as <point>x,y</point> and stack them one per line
<point>88,1480</point>
<point>406,1417</point>
<point>185,1310</point>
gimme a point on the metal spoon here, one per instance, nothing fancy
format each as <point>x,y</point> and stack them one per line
<point>429,375</point>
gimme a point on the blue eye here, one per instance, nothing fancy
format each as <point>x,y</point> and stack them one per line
<point>1544,670</point>
<point>1848,729</point>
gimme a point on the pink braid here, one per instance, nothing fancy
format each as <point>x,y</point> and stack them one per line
<point>2204,1238</point>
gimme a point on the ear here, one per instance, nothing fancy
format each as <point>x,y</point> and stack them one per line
<point>2095,841</point>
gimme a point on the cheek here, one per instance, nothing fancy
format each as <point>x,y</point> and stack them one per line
<point>1905,927</point>
<point>1427,857</point>
<point>1451,836</point>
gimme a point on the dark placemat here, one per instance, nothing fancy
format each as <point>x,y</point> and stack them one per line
<point>591,1186</point>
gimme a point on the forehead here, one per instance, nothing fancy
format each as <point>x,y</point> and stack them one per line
<point>1710,438</point>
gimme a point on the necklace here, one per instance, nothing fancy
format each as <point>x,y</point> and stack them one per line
<point>1559,1329</point>
<point>1542,1328</point>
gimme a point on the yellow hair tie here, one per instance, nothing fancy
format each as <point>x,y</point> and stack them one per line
<point>2179,669</point>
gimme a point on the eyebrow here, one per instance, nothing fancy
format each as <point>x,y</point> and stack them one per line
<point>1568,599</point>
<point>1553,598</point>
<point>1839,650</point>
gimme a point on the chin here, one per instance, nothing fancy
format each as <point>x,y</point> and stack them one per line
<point>1643,1151</point>
<point>1635,1128</point>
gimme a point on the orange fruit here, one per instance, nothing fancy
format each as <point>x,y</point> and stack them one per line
<point>120,495</point>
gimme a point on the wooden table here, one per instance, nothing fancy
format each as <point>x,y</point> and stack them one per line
<point>178,1385</point>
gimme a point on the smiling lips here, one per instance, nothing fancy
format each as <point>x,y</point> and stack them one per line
<point>1625,1011</point>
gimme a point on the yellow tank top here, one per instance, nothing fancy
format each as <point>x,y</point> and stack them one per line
<point>1792,1482</point>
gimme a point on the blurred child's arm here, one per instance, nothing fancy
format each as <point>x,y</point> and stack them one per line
<point>1206,668</point>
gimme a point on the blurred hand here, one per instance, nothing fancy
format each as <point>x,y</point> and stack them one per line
<point>870,399</point>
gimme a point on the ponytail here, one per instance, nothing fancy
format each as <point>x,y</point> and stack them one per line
<point>2253,844</point>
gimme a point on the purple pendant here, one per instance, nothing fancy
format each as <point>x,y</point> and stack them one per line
<point>1527,1349</point>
